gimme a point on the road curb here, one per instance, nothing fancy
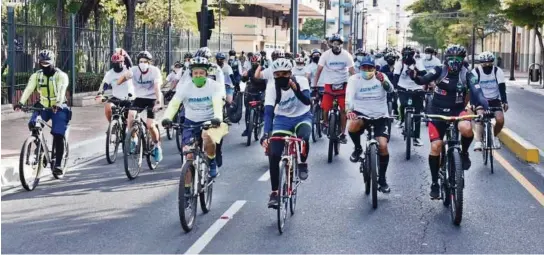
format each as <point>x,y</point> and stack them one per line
<point>523,149</point>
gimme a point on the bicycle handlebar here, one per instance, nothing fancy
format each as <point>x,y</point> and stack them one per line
<point>286,138</point>
<point>32,108</point>
<point>427,117</point>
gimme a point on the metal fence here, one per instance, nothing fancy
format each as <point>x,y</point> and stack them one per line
<point>84,53</point>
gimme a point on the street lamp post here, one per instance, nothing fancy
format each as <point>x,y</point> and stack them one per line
<point>219,38</point>
<point>513,53</point>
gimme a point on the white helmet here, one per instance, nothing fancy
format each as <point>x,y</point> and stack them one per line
<point>300,60</point>
<point>486,57</point>
<point>282,64</point>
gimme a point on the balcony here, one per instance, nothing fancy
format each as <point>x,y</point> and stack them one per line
<point>307,8</point>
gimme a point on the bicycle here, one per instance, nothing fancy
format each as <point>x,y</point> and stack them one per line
<point>334,129</point>
<point>116,129</point>
<point>256,118</point>
<point>289,179</point>
<point>233,111</point>
<point>487,137</point>
<point>168,95</point>
<point>451,174</point>
<point>409,123</point>
<point>179,129</point>
<point>428,100</point>
<point>317,114</point>
<point>370,161</point>
<point>35,159</point>
<point>193,185</point>
<point>144,146</point>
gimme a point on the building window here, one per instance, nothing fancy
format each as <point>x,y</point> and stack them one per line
<point>269,22</point>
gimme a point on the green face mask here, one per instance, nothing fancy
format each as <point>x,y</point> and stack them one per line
<point>199,81</point>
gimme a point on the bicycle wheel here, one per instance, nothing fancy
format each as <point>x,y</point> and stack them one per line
<point>314,125</point>
<point>206,191</point>
<point>132,160</point>
<point>484,144</point>
<point>408,134</point>
<point>373,160</point>
<point>258,125</point>
<point>112,141</point>
<point>457,186</point>
<point>31,163</point>
<point>444,179</point>
<point>64,161</point>
<point>283,196</point>
<point>366,174</point>
<point>338,133</point>
<point>332,138</point>
<point>318,118</point>
<point>250,126</point>
<point>186,198</point>
<point>150,146</point>
<point>179,132</point>
<point>489,145</point>
<point>294,187</point>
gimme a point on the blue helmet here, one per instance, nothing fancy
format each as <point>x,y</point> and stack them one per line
<point>336,37</point>
<point>220,55</point>
<point>366,61</point>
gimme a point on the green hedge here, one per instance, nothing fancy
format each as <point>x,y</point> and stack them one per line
<point>86,82</point>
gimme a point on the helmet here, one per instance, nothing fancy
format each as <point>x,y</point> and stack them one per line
<point>203,52</point>
<point>366,61</point>
<point>390,56</point>
<point>314,51</point>
<point>486,57</point>
<point>255,58</point>
<point>263,53</point>
<point>278,54</point>
<point>408,51</point>
<point>288,55</point>
<point>46,56</point>
<point>220,55</point>
<point>378,55</point>
<point>456,50</point>
<point>199,62</point>
<point>116,58</point>
<point>300,60</point>
<point>178,63</point>
<point>429,50</point>
<point>336,37</point>
<point>360,51</point>
<point>187,55</point>
<point>232,53</point>
<point>282,64</point>
<point>249,55</point>
<point>144,54</point>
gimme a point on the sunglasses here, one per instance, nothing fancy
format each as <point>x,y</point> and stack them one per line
<point>458,59</point>
<point>282,74</point>
<point>486,64</point>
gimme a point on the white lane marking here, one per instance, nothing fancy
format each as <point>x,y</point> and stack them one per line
<point>541,152</point>
<point>207,237</point>
<point>265,177</point>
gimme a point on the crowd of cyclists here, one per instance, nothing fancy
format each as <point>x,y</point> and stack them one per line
<point>373,84</point>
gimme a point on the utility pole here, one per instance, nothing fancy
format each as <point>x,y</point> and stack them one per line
<point>473,43</point>
<point>294,49</point>
<point>325,19</point>
<point>219,38</point>
<point>341,17</point>
<point>513,54</point>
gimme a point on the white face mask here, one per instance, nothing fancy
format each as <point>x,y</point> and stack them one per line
<point>360,58</point>
<point>187,64</point>
<point>177,70</point>
<point>428,56</point>
<point>300,67</point>
<point>143,66</point>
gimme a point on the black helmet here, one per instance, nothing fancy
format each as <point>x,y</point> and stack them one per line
<point>144,54</point>
<point>232,53</point>
<point>429,50</point>
<point>336,37</point>
<point>408,51</point>
<point>263,53</point>
<point>288,55</point>
<point>249,55</point>
<point>187,55</point>
<point>456,51</point>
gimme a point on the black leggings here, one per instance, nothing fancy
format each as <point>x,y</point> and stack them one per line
<point>276,150</point>
<point>417,103</point>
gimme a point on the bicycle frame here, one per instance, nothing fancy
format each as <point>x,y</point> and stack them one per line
<point>195,148</point>
<point>291,153</point>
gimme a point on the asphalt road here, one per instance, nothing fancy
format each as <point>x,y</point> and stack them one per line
<point>525,115</point>
<point>96,209</point>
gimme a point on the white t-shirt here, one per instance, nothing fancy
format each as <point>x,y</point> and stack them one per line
<point>246,66</point>
<point>404,80</point>
<point>144,84</point>
<point>430,64</point>
<point>489,83</point>
<point>198,102</point>
<point>268,74</point>
<point>227,71</point>
<point>289,105</point>
<point>335,67</point>
<point>119,91</point>
<point>298,71</point>
<point>311,69</point>
<point>367,96</point>
<point>380,62</point>
<point>216,72</point>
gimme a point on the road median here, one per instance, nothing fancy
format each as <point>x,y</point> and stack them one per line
<point>522,148</point>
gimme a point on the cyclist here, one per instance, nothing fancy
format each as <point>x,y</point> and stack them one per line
<point>146,79</point>
<point>429,60</point>
<point>172,80</point>
<point>287,112</point>
<point>379,61</point>
<point>228,73</point>
<point>187,60</point>
<point>255,89</point>
<point>267,73</point>
<point>389,69</point>
<point>236,65</point>
<point>366,95</point>
<point>51,84</point>
<point>359,55</point>
<point>491,79</point>
<point>299,69</point>
<point>128,60</point>
<point>311,68</point>
<point>202,98</point>
<point>119,91</point>
<point>335,66</point>
<point>404,85</point>
<point>453,85</point>
<point>246,65</point>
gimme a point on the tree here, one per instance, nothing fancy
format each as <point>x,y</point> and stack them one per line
<point>432,28</point>
<point>313,28</point>
<point>492,24</point>
<point>528,13</point>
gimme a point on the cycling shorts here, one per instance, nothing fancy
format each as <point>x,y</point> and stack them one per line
<point>437,128</point>
<point>327,100</point>
<point>289,125</point>
<point>145,102</point>
<point>381,126</point>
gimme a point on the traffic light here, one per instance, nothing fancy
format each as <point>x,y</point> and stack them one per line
<point>210,23</point>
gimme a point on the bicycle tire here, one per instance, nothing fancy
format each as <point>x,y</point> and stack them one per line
<point>128,156</point>
<point>25,154</point>
<point>332,133</point>
<point>179,139</point>
<point>456,205</point>
<point>151,163</point>
<point>408,134</point>
<point>206,192</point>
<point>366,177</point>
<point>294,188</point>
<point>259,126</point>
<point>314,124</point>
<point>485,143</point>
<point>250,126</point>
<point>373,160</point>
<point>318,123</point>
<point>112,158</point>
<point>186,224</point>
<point>444,185</point>
<point>64,161</point>
<point>282,197</point>
<point>490,146</point>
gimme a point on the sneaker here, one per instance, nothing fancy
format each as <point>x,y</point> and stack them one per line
<point>132,146</point>
<point>58,170</point>
<point>157,153</point>
<point>213,169</point>
<point>383,187</point>
<point>303,171</point>
<point>477,146</point>
<point>356,155</point>
<point>274,200</point>
<point>219,159</point>
<point>465,161</point>
<point>435,191</point>
<point>496,143</point>
<point>245,133</point>
<point>342,139</point>
<point>417,142</point>
<point>324,127</point>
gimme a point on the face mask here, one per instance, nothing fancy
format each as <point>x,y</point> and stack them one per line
<point>336,50</point>
<point>360,58</point>
<point>143,66</point>
<point>315,59</point>
<point>390,62</point>
<point>367,75</point>
<point>409,60</point>
<point>48,70</point>
<point>117,67</point>
<point>220,62</point>
<point>282,82</point>
<point>177,70</point>
<point>454,65</point>
<point>187,64</point>
<point>232,57</point>
<point>428,56</point>
<point>199,81</point>
<point>487,69</point>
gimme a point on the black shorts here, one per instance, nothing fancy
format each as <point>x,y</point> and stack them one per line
<point>381,126</point>
<point>118,102</point>
<point>437,129</point>
<point>495,103</point>
<point>145,102</point>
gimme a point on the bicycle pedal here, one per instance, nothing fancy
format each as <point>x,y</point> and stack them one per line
<point>436,198</point>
